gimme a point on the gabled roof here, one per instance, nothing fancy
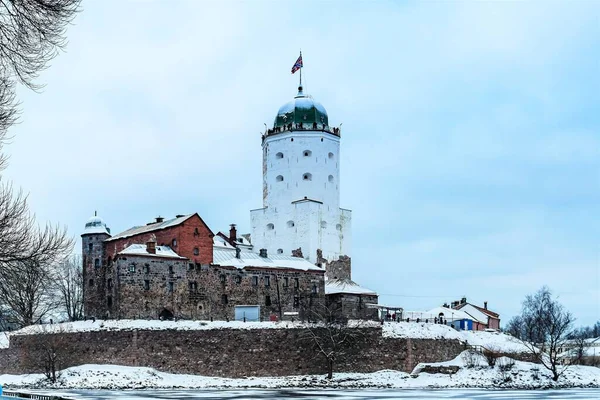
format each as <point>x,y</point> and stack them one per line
<point>137,230</point>
<point>346,286</point>
<point>483,310</point>
<point>141,250</point>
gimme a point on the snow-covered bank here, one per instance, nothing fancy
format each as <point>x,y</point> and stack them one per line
<point>491,340</point>
<point>519,375</point>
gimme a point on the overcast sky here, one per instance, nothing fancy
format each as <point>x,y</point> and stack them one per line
<point>471,133</point>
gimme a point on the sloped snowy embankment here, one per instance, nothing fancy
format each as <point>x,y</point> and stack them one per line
<point>519,375</point>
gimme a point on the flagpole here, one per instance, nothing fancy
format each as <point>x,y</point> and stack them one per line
<point>301,69</point>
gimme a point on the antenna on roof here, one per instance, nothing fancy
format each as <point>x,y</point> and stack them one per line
<point>95,213</point>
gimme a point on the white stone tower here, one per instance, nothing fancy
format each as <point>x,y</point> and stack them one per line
<point>301,186</point>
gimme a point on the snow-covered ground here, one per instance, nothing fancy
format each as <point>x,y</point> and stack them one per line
<point>520,375</point>
<point>490,340</point>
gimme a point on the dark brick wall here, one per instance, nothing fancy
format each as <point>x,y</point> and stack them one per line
<point>353,306</point>
<point>224,352</point>
<point>199,290</point>
<point>94,273</point>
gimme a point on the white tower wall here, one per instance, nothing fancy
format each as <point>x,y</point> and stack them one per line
<point>301,197</point>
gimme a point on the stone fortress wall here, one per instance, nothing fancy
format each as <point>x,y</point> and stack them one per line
<point>221,352</point>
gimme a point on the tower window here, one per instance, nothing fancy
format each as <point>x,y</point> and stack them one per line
<point>330,155</point>
<point>330,178</point>
<point>338,227</point>
<point>97,262</point>
<point>323,225</point>
<point>307,153</point>
<point>290,224</point>
<point>91,282</point>
<point>90,247</point>
<point>270,227</point>
<point>279,178</point>
<point>292,139</point>
<point>279,251</point>
<point>307,176</point>
<point>109,301</point>
<point>279,155</point>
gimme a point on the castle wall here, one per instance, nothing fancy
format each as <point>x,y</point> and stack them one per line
<point>222,352</point>
<point>145,286</point>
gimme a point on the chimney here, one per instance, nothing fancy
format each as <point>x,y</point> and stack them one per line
<point>159,219</point>
<point>179,216</point>
<point>151,245</point>
<point>463,300</point>
<point>263,253</point>
<point>232,233</point>
<point>485,305</point>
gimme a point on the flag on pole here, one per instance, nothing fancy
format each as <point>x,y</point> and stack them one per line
<point>298,64</point>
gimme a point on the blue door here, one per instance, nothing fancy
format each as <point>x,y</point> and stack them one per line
<point>252,313</point>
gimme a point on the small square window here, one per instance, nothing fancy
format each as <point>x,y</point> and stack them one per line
<point>174,242</point>
<point>267,301</point>
<point>223,278</point>
<point>196,251</point>
<point>190,266</point>
<point>296,283</point>
<point>146,284</point>
<point>267,281</point>
<point>255,281</point>
<point>170,269</point>
<point>131,267</point>
<point>146,269</point>
<point>238,279</point>
<point>91,282</point>
<point>286,281</point>
<point>224,299</point>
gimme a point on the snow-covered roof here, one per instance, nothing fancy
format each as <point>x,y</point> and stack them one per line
<point>141,250</point>
<point>95,225</point>
<point>218,241</point>
<point>226,257</point>
<point>136,230</point>
<point>335,286</point>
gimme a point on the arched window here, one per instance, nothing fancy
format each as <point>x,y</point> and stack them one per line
<point>330,155</point>
<point>174,243</point>
<point>279,155</point>
<point>338,227</point>
<point>279,178</point>
<point>323,224</point>
<point>196,251</point>
<point>270,227</point>
<point>307,153</point>
<point>279,251</point>
<point>290,224</point>
<point>307,176</point>
<point>330,178</point>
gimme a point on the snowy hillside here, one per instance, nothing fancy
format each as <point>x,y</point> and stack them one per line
<point>521,375</point>
<point>491,340</point>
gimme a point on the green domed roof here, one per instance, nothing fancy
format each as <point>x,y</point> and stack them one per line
<point>303,109</point>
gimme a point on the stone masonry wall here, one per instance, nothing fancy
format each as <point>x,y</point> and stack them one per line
<point>146,286</point>
<point>224,352</point>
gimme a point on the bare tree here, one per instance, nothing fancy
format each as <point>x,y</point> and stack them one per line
<point>28,292</point>
<point>331,338</point>
<point>68,285</point>
<point>31,34</point>
<point>544,327</point>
